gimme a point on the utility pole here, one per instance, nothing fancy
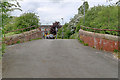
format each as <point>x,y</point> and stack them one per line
<point>56,32</point>
<point>84,12</point>
<point>62,28</point>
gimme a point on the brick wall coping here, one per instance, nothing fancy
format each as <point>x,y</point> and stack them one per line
<point>24,33</point>
<point>98,35</point>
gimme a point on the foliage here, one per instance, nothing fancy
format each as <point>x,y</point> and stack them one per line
<point>35,39</point>
<point>69,28</point>
<point>9,34</point>
<point>66,32</point>
<point>77,27</point>
<point>5,8</point>
<point>18,42</point>
<point>81,41</point>
<point>53,28</point>
<point>101,17</point>
<point>24,21</point>
<point>85,44</point>
<point>59,33</point>
<point>3,47</point>
<point>74,36</point>
<point>117,51</point>
<point>118,2</point>
<point>81,8</point>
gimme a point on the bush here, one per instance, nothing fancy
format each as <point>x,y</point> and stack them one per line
<point>3,48</point>
<point>24,21</point>
<point>101,17</point>
<point>66,32</point>
<point>75,36</point>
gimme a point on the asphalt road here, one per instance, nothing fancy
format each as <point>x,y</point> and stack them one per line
<point>57,59</point>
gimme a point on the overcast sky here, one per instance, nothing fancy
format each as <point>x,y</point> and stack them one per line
<point>50,11</point>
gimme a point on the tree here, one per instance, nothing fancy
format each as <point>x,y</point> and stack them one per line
<point>6,7</point>
<point>118,3</point>
<point>24,21</point>
<point>81,8</point>
<point>66,30</point>
<point>53,27</point>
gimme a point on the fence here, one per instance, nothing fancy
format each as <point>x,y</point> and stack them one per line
<point>100,41</point>
<point>96,29</point>
<point>20,29</point>
<point>23,36</point>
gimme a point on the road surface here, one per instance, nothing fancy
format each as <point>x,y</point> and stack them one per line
<point>57,59</point>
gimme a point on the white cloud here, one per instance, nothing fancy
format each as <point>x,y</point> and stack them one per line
<point>44,9</point>
<point>53,10</point>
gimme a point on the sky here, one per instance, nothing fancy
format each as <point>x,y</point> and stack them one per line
<point>50,11</point>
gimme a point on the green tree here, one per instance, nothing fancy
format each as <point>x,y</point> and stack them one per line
<point>5,8</point>
<point>66,30</point>
<point>118,2</point>
<point>24,21</point>
<point>81,8</point>
<point>102,17</point>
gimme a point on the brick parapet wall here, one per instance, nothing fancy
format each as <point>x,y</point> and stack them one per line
<point>23,37</point>
<point>100,41</point>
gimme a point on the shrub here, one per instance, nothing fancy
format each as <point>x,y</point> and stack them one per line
<point>101,17</point>
<point>24,21</point>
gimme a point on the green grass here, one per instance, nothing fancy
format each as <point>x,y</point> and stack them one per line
<point>35,39</point>
<point>93,47</point>
<point>18,42</point>
<point>2,50</point>
<point>9,34</point>
<point>85,44</point>
<point>75,35</point>
<point>117,52</point>
<point>80,41</point>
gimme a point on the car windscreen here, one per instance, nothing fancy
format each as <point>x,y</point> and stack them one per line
<point>51,35</point>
